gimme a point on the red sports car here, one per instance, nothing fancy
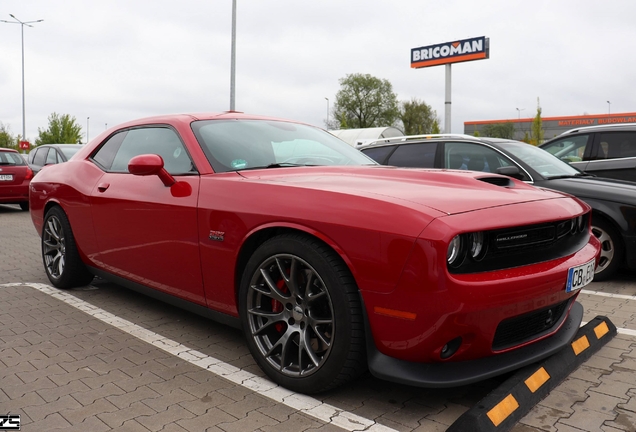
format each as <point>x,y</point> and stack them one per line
<point>328,262</point>
<point>15,176</point>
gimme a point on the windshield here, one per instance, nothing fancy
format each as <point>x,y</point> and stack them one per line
<point>233,145</point>
<point>11,158</point>
<point>540,160</point>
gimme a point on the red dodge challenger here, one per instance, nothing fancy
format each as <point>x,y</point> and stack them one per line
<point>328,262</point>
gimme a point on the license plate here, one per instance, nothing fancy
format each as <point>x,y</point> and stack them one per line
<point>6,177</point>
<point>580,276</point>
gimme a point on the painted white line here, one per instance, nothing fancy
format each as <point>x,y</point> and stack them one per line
<point>620,330</point>
<point>604,294</point>
<point>303,403</point>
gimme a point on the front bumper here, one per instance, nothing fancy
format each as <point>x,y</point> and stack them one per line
<point>453,374</point>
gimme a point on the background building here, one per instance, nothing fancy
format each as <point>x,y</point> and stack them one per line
<point>552,126</point>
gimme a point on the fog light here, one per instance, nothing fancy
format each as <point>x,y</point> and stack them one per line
<point>451,348</point>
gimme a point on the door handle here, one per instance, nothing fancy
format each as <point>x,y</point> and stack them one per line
<point>103,186</point>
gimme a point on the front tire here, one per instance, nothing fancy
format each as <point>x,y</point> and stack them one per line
<point>62,261</point>
<point>612,251</point>
<point>301,314</point>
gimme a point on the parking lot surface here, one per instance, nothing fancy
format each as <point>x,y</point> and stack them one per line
<point>105,358</point>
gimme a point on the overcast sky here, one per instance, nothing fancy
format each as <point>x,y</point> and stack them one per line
<point>118,60</point>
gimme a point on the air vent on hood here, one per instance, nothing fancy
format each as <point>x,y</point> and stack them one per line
<point>498,181</point>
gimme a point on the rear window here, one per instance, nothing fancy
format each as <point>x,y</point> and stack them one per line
<point>11,158</point>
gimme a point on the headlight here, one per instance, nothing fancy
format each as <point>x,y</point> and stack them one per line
<point>477,246</point>
<point>453,254</point>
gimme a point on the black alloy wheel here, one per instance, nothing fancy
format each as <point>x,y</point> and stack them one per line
<point>61,258</point>
<point>301,314</point>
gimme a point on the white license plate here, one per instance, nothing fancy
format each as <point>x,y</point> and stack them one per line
<point>580,276</point>
<point>6,177</point>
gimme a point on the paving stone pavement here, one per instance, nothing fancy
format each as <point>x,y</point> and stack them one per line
<point>62,368</point>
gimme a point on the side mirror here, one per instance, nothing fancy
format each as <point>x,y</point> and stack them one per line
<point>150,164</point>
<point>510,171</point>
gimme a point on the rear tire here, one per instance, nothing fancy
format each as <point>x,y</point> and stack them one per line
<point>62,261</point>
<point>301,314</point>
<point>612,250</point>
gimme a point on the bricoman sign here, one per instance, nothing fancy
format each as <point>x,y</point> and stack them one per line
<point>450,52</point>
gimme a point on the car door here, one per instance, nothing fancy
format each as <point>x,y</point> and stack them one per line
<point>39,159</point>
<point>146,231</point>
<point>615,155</point>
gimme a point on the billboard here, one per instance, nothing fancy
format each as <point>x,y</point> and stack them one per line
<point>450,52</point>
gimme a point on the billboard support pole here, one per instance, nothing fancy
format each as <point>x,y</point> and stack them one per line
<point>447,111</point>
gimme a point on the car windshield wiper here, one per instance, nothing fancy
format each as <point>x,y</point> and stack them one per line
<point>577,175</point>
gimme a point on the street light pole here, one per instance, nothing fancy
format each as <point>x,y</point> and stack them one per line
<point>519,112</point>
<point>22,24</point>
<point>609,106</point>
<point>327,99</point>
<point>87,124</point>
<point>233,61</point>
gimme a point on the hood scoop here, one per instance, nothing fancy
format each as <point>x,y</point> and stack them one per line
<point>498,181</point>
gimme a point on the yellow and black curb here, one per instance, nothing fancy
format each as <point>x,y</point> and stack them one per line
<point>514,398</point>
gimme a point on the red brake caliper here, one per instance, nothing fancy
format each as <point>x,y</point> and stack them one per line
<point>278,306</point>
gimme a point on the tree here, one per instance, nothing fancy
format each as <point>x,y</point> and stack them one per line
<point>537,131</point>
<point>7,140</point>
<point>63,129</point>
<point>417,117</point>
<point>499,130</point>
<point>364,101</point>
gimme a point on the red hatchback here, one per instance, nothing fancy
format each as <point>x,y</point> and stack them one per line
<point>329,262</point>
<point>15,176</point>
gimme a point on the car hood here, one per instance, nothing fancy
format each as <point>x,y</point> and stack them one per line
<point>592,187</point>
<point>447,191</point>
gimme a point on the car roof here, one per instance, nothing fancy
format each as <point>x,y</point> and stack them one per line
<point>616,126</point>
<point>432,138</point>
<point>4,149</point>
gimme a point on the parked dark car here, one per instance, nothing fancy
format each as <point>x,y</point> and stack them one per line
<point>606,151</point>
<point>15,177</point>
<point>49,154</point>
<point>613,202</point>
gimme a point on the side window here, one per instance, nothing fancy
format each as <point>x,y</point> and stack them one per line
<point>569,149</point>
<point>420,155</point>
<point>115,154</point>
<point>618,144</point>
<point>378,154</point>
<point>51,158</point>
<point>40,156</point>
<point>474,157</point>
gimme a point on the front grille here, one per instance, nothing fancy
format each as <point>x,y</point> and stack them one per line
<point>524,328</point>
<point>513,247</point>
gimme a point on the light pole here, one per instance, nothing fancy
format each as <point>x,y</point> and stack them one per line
<point>22,24</point>
<point>519,122</point>
<point>233,60</point>
<point>87,124</point>
<point>327,99</point>
<point>609,106</point>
